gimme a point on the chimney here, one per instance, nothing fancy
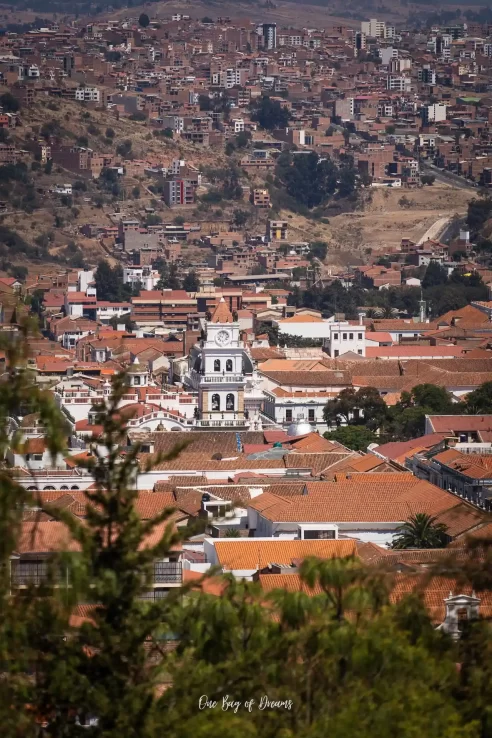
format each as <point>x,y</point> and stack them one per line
<point>361,318</point>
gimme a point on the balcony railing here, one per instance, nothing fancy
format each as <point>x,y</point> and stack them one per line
<point>219,378</point>
<point>223,423</point>
<point>35,573</point>
<point>167,572</point>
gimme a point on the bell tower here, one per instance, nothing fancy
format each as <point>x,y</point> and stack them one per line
<point>222,381</point>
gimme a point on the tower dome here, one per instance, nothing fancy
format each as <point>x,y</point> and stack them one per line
<point>300,427</point>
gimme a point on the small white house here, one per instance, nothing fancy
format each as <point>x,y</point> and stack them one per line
<point>64,189</point>
<point>346,338</point>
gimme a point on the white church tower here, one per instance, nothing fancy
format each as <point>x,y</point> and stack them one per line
<point>222,381</point>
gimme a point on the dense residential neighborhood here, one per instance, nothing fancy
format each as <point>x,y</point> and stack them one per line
<point>246,372</point>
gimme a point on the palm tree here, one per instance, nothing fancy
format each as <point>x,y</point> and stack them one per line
<point>382,311</point>
<point>232,533</point>
<point>421,531</point>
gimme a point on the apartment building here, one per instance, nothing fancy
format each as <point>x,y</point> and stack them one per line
<point>260,198</point>
<point>179,192</point>
<point>88,94</point>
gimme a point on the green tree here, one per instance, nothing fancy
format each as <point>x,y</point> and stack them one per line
<point>205,102</point>
<point>240,217</point>
<point>355,407</point>
<point>143,20</point>
<point>271,331</point>
<point>434,399</point>
<point>270,114</point>
<point>427,179</point>
<point>124,148</point>
<point>242,139</point>
<point>355,437</point>
<point>479,211</point>
<point>169,279</point>
<point>309,179</point>
<point>152,219</point>
<point>191,283</point>
<point>407,422</point>
<point>421,531</point>
<point>347,181</point>
<point>19,272</point>
<point>318,249</point>
<point>435,275</point>
<point>109,283</point>
<point>407,417</point>
<point>330,654</point>
<point>125,320</point>
<point>9,103</point>
<point>479,401</point>
<point>441,301</point>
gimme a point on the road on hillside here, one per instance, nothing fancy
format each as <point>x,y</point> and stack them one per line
<point>448,177</point>
<point>436,229</point>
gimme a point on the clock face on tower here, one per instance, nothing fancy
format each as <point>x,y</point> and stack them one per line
<point>222,338</point>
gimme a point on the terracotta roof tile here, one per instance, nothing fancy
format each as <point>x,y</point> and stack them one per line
<point>222,314</point>
<point>398,450</point>
<point>316,462</point>
<point>45,537</point>
<point>460,423</point>
<point>309,378</point>
<point>256,554</point>
<point>433,592</point>
<point>288,582</point>
<point>372,498</point>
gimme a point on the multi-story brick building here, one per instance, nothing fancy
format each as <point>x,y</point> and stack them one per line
<point>179,192</point>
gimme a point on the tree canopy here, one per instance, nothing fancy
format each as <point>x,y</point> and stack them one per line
<point>355,437</point>
<point>421,531</point>
<point>169,279</point>
<point>307,177</point>
<point>270,114</point>
<point>364,406</point>
<point>9,103</point>
<point>191,283</point>
<point>109,283</point>
<point>435,275</point>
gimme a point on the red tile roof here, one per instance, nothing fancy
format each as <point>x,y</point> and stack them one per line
<point>460,423</point>
<point>371,498</point>
<point>256,554</point>
<point>222,314</point>
<point>397,450</point>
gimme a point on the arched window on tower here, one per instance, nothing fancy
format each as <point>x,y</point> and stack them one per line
<point>215,402</point>
<point>229,365</point>
<point>230,401</point>
<point>217,365</point>
<point>462,618</point>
